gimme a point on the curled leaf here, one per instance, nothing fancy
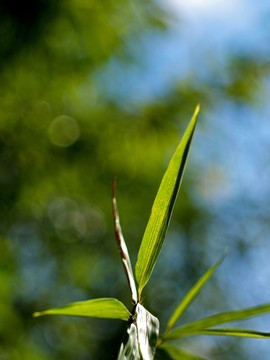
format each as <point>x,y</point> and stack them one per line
<point>123,248</point>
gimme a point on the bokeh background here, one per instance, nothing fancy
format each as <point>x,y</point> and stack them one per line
<point>94,89</point>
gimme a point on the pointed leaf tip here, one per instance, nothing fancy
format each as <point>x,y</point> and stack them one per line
<point>162,208</point>
<point>36,314</point>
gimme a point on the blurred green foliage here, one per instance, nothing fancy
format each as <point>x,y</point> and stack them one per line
<point>62,141</point>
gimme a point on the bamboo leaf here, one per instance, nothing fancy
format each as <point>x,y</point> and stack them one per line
<point>179,354</point>
<point>217,319</point>
<point>233,332</point>
<point>191,295</point>
<point>101,308</point>
<point>148,331</point>
<point>162,208</point>
<point>123,249</point>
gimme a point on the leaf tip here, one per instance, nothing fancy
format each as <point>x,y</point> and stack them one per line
<point>197,110</point>
<point>227,250</point>
<point>36,314</point>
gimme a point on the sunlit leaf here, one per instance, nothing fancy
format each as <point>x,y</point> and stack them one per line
<point>162,208</point>
<point>123,249</point>
<point>101,308</point>
<point>148,331</point>
<point>221,318</point>
<point>233,332</point>
<point>129,349</point>
<point>179,354</point>
<point>191,295</point>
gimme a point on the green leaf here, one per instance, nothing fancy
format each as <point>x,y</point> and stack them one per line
<point>179,354</point>
<point>162,208</point>
<point>233,332</point>
<point>148,331</point>
<point>101,308</point>
<point>221,318</point>
<point>129,349</point>
<point>123,249</point>
<point>191,295</point>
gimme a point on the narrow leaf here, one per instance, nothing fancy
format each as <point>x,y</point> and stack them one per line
<point>233,332</point>
<point>101,308</point>
<point>191,295</point>
<point>129,349</point>
<point>123,249</point>
<point>162,208</point>
<point>221,318</point>
<point>179,354</point>
<point>148,331</point>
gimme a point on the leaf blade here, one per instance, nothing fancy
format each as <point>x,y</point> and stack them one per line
<point>101,308</point>
<point>234,332</point>
<point>192,294</point>
<point>179,354</point>
<point>217,319</point>
<point>162,208</point>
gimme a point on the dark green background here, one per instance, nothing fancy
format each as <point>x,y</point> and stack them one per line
<point>66,132</point>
